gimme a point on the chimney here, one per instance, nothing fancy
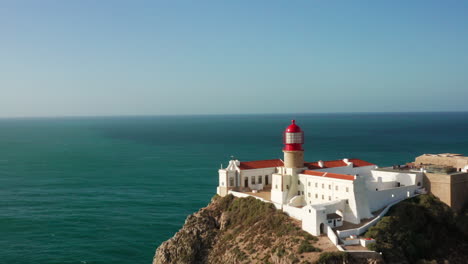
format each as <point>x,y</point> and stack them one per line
<point>321,164</point>
<point>347,162</point>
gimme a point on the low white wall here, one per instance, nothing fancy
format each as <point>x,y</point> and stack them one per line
<point>350,242</point>
<point>366,242</point>
<point>294,212</point>
<point>243,195</point>
<point>331,235</point>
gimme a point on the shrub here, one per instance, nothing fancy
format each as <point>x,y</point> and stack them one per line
<point>418,228</point>
<point>333,258</point>
<point>305,246</point>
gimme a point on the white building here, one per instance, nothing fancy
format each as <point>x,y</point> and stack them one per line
<point>322,193</point>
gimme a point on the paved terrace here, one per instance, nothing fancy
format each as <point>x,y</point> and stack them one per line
<point>264,194</point>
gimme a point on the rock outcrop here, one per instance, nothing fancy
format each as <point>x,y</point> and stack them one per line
<point>246,230</point>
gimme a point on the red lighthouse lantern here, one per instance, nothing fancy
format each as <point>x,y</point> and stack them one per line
<point>293,137</point>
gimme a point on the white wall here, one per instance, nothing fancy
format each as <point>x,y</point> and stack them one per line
<point>334,189</point>
<point>312,217</point>
<point>404,178</point>
<point>364,228</point>
<point>294,212</point>
<point>278,189</point>
<point>332,236</point>
<point>380,199</point>
<point>361,171</point>
<point>256,173</point>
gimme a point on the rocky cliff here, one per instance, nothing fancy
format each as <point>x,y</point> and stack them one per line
<point>246,230</point>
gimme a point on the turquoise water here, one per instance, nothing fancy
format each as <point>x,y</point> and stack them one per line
<point>110,190</point>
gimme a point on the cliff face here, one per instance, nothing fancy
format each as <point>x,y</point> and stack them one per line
<point>246,230</point>
<point>193,242</point>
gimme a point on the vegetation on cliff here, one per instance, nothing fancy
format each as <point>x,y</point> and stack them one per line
<point>422,229</point>
<point>241,230</point>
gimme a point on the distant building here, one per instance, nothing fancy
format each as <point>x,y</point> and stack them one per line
<point>323,194</point>
<point>446,176</point>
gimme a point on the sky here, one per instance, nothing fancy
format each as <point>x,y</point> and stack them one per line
<point>110,57</point>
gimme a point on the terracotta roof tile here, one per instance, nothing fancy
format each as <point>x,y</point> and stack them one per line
<point>329,175</point>
<point>260,164</point>
<point>360,163</point>
<point>336,163</point>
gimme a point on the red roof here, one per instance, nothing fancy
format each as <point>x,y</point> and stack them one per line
<point>337,163</point>
<point>260,164</point>
<point>360,163</point>
<point>329,175</point>
<point>293,128</point>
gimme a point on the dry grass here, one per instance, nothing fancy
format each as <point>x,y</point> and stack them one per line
<point>255,232</point>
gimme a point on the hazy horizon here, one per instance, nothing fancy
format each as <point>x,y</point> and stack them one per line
<point>291,114</point>
<point>147,58</point>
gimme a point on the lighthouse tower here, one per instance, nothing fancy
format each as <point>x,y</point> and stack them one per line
<point>293,151</point>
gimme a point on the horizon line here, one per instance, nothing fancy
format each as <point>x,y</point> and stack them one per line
<point>224,114</point>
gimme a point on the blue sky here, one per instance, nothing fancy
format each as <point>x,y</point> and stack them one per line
<point>75,58</point>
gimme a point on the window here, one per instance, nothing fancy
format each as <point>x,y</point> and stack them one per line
<point>253,179</point>
<point>347,202</point>
<point>329,221</point>
<point>419,183</point>
<point>298,192</point>
<point>323,185</point>
<point>316,196</point>
<point>276,186</point>
<point>329,198</point>
<point>231,181</point>
<point>222,183</point>
<point>323,197</point>
<point>347,189</point>
<point>329,186</point>
<point>308,194</point>
<point>287,187</point>
<point>302,192</point>
<point>308,184</point>
<point>336,188</point>
<point>316,185</point>
<point>298,182</point>
<point>259,179</point>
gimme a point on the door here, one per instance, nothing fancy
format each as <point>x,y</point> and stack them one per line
<point>266,180</point>
<point>246,182</point>
<point>321,228</point>
<point>334,222</point>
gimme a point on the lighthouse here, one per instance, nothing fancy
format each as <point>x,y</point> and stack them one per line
<point>293,139</point>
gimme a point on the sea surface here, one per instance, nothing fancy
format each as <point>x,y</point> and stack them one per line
<point>110,190</point>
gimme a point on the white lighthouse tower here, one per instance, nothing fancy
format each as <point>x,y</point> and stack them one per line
<point>293,152</point>
<point>285,182</point>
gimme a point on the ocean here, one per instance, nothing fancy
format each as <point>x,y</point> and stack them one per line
<point>111,189</point>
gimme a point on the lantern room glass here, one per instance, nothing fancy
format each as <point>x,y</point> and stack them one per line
<point>293,138</point>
